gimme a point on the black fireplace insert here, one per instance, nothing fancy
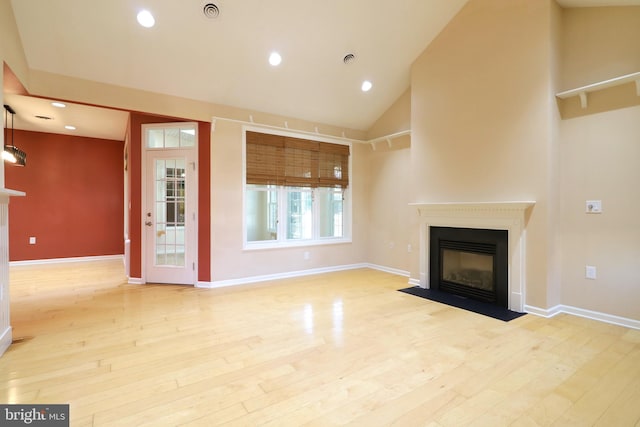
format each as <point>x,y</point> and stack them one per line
<point>470,262</point>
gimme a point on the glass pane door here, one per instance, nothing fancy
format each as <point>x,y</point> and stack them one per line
<point>170,180</point>
<point>170,221</point>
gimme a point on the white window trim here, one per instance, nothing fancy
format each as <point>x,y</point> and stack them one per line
<point>281,229</point>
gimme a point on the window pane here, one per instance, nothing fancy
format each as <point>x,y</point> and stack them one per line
<point>180,235</point>
<point>187,137</point>
<point>171,138</point>
<point>171,213</point>
<point>299,214</point>
<point>180,212</point>
<point>161,212</point>
<point>161,234</point>
<point>155,138</point>
<point>330,211</point>
<point>161,258</point>
<point>262,213</point>
<point>179,255</point>
<point>171,234</point>
<point>161,170</point>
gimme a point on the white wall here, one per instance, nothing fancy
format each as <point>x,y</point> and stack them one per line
<point>599,159</point>
<point>482,130</point>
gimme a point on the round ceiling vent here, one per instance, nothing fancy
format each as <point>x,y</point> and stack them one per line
<point>210,10</point>
<point>349,58</point>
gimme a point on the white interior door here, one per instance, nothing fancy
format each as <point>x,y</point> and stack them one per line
<point>169,214</point>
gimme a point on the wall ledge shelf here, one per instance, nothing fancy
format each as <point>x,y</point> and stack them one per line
<point>388,138</point>
<point>582,92</point>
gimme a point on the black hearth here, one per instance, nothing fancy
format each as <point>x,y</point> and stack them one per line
<point>470,262</point>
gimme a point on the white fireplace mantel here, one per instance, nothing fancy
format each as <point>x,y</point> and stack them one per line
<point>510,216</point>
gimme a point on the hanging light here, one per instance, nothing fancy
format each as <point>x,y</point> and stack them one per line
<point>11,153</point>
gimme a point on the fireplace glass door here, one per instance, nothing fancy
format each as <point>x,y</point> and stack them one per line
<point>468,269</point>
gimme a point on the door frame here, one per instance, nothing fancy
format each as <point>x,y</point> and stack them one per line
<point>144,196</point>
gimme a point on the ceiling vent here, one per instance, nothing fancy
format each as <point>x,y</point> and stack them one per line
<point>210,10</point>
<point>349,58</point>
<point>43,117</point>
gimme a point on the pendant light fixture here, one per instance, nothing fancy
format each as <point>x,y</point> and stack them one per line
<point>11,153</point>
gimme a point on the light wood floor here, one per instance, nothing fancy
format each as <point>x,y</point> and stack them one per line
<point>334,349</point>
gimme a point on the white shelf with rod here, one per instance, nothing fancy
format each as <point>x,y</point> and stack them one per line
<point>584,90</point>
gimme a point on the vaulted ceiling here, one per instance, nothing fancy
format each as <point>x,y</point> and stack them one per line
<point>224,59</point>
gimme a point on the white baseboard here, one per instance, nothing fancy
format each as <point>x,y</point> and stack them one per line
<point>414,282</point>
<point>135,281</point>
<point>5,340</point>
<point>581,312</point>
<point>71,259</point>
<point>543,312</point>
<point>388,270</point>
<point>277,276</point>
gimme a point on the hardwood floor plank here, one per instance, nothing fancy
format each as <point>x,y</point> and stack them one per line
<point>596,401</point>
<point>624,410</point>
<point>326,350</point>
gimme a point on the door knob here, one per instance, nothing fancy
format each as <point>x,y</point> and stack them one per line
<point>148,223</point>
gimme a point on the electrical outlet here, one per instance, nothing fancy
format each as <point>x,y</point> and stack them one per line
<point>306,255</point>
<point>32,240</point>
<point>590,272</point>
<point>593,206</point>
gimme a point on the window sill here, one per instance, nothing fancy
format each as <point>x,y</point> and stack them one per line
<point>255,246</point>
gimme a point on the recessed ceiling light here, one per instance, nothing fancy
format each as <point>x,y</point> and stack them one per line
<point>146,19</point>
<point>69,127</point>
<point>275,59</point>
<point>366,86</point>
<point>58,104</point>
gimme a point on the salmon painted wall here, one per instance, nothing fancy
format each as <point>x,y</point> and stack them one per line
<point>74,199</point>
<point>204,201</point>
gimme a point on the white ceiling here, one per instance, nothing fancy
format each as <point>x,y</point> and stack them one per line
<point>224,60</point>
<point>89,121</point>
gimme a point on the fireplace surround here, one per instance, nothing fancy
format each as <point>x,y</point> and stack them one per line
<point>507,216</point>
<point>470,262</point>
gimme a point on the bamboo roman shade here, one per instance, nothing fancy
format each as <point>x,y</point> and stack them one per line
<point>295,162</point>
